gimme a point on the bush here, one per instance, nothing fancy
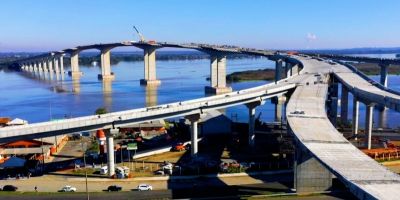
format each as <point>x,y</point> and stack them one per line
<point>100,111</point>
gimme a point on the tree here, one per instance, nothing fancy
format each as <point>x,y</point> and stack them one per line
<point>100,111</point>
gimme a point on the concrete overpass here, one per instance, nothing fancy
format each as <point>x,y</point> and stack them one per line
<point>384,63</point>
<point>321,151</point>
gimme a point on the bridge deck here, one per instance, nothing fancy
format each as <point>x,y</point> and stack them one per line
<point>365,177</point>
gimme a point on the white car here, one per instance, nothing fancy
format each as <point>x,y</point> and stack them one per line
<point>144,187</point>
<point>68,188</point>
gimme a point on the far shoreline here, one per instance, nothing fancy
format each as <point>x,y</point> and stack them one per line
<point>370,69</point>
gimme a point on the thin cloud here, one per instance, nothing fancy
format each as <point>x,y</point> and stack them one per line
<point>311,37</point>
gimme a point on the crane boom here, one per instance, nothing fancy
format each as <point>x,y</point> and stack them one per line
<point>140,35</point>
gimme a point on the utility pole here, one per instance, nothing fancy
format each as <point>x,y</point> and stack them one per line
<point>84,164</point>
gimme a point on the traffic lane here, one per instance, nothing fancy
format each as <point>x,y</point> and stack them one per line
<point>53,183</point>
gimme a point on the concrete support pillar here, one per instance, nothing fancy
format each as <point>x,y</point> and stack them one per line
<point>295,69</point>
<point>217,75</point>
<point>368,124</point>
<point>221,83</point>
<point>278,70</point>
<point>110,150</point>
<point>252,136</point>
<point>30,67</point>
<point>50,65</point>
<point>75,64</point>
<point>344,107</point>
<point>213,71</point>
<point>40,67</point>
<point>288,70</point>
<point>252,112</point>
<point>37,67</point>
<point>56,66</point>
<point>150,76</point>
<point>356,106</point>
<point>105,65</point>
<point>43,66</point>
<point>279,104</point>
<point>61,64</point>
<point>384,74</point>
<point>382,118</point>
<point>333,101</point>
<point>309,174</point>
<point>194,119</point>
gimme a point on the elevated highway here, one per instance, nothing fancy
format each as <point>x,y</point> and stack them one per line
<point>320,149</point>
<point>123,118</point>
<point>365,178</point>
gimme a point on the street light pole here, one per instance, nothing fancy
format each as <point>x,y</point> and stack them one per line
<point>84,163</point>
<point>41,139</point>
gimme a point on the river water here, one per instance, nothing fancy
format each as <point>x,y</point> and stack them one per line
<point>37,100</point>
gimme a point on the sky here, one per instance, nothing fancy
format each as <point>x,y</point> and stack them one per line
<point>48,25</point>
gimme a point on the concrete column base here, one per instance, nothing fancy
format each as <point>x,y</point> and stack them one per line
<point>310,174</point>
<point>71,73</point>
<point>149,82</point>
<point>106,77</point>
<point>218,90</point>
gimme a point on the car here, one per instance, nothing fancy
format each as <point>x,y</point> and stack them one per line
<point>68,188</point>
<point>299,112</point>
<point>115,188</point>
<point>178,147</point>
<point>159,172</point>
<point>144,187</point>
<point>9,188</point>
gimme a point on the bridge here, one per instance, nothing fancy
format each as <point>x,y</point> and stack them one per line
<point>53,62</point>
<point>383,63</point>
<point>309,86</point>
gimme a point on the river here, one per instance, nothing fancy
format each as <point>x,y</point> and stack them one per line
<point>41,100</point>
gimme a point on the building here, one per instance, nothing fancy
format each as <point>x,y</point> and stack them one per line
<point>147,130</point>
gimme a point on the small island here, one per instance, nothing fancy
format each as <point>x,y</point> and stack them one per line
<point>252,75</point>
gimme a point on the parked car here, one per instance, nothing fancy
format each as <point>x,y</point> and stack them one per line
<point>68,188</point>
<point>179,147</point>
<point>104,170</point>
<point>9,188</point>
<point>159,172</point>
<point>144,187</point>
<point>114,188</point>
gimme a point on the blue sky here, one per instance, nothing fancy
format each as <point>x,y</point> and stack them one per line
<point>33,25</point>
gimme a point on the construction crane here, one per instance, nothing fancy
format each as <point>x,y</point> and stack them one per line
<point>140,35</point>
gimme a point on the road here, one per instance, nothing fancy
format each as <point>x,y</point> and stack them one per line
<point>52,183</point>
<point>251,191</point>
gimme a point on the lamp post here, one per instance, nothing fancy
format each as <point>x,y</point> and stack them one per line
<point>84,164</point>
<point>41,139</point>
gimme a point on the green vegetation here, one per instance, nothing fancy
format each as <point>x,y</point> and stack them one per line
<point>251,75</point>
<point>101,111</point>
<point>94,147</point>
<point>374,69</point>
<point>269,74</point>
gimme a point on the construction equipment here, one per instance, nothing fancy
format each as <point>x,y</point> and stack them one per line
<point>141,38</point>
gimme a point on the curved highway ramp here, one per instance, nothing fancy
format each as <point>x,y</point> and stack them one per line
<point>317,137</point>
